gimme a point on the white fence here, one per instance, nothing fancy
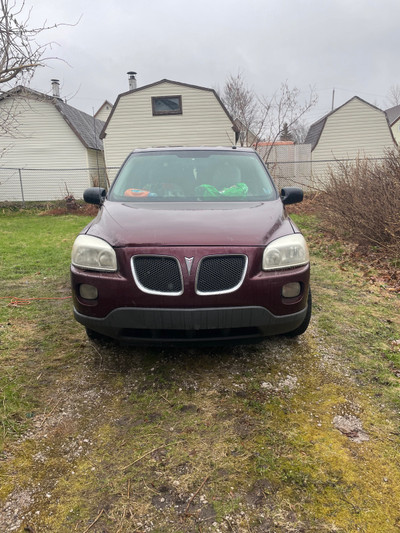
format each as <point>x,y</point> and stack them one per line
<point>289,164</point>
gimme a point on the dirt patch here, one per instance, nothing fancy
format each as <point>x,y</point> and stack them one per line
<point>262,493</point>
<point>351,426</point>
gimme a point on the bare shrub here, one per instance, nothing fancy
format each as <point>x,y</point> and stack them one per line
<point>362,202</point>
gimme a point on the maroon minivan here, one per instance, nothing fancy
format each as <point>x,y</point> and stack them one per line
<point>191,244</point>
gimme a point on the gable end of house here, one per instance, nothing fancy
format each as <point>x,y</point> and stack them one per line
<point>103,132</point>
<point>315,131</point>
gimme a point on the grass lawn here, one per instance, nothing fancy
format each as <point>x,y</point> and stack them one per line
<point>290,435</point>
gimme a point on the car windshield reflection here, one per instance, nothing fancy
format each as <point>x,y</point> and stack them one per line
<point>192,176</point>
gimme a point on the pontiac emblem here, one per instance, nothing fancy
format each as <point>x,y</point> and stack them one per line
<point>189,263</point>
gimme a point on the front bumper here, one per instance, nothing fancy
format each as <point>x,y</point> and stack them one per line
<point>160,325</point>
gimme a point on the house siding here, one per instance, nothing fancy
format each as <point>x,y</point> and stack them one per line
<point>104,112</point>
<point>357,129</point>
<point>97,171</point>
<point>203,122</point>
<point>42,142</point>
<point>396,131</point>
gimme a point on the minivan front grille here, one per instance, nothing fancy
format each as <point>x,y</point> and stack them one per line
<point>157,274</point>
<point>220,274</point>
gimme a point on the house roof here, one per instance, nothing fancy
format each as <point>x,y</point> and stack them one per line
<point>138,89</point>
<point>85,127</point>
<point>315,130</point>
<point>104,104</point>
<point>393,114</point>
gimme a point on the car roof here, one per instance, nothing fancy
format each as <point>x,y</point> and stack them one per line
<point>194,148</point>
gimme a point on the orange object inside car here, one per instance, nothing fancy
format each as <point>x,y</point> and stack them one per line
<point>138,193</point>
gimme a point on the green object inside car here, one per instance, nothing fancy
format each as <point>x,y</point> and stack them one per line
<point>208,191</point>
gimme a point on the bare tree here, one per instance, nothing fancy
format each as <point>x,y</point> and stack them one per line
<point>20,54</point>
<point>242,104</point>
<point>20,51</point>
<point>299,131</point>
<point>393,97</point>
<point>284,110</point>
<point>262,117</point>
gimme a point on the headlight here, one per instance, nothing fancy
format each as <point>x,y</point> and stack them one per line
<point>92,253</point>
<point>286,252</point>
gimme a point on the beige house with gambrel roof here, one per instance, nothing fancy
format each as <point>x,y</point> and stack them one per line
<point>48,148</point>
<point>355,129</point>
<point>166,113</point>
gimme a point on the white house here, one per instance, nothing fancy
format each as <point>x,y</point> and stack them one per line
<point>165,113</point>
<point>47,147</point>
<point>393,115</point>
<point>355,129</point>
<point>103,111</point>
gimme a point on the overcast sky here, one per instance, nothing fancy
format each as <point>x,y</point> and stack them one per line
<point>350,46</point>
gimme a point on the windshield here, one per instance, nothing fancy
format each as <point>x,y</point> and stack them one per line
<point>193,175</point>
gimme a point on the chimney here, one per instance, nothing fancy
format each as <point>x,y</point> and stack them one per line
<point>55,84</point>
<point>132,80</point>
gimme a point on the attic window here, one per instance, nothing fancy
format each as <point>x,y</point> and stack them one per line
<point>166,105</point>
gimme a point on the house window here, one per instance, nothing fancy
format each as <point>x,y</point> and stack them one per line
<point>166,105</point>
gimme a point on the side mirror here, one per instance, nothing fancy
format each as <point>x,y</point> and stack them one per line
<point>94,195</point>
<point>291,195</point>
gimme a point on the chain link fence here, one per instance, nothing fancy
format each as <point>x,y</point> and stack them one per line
<point>35,185</point>
<point>32,185</point>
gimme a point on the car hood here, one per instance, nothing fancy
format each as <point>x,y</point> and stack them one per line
<point>190,224</point>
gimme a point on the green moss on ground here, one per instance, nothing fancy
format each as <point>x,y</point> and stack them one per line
<point>230,439</point>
